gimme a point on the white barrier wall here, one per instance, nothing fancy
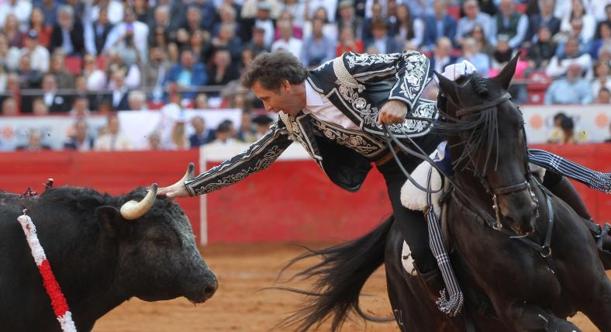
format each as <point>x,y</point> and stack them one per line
<point>591,121</point>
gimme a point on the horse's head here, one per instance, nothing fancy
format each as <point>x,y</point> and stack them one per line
<point>486,133</point>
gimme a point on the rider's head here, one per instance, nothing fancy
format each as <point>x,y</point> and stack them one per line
<point>277,80</point>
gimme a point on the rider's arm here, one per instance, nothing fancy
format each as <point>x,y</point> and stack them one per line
<point>407,72</point>
<point>258,156</point>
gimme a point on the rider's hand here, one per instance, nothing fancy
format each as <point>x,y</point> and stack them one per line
<point>173,191</point>
<point>394,111</point>
<point>178,189</point>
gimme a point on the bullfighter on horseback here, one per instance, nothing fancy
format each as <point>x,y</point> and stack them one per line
<point>337,112</point>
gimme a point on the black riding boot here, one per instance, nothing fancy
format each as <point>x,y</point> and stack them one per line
<point>563,188</point>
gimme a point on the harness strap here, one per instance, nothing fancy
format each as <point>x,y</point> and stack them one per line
<point>511,188</point>
<point>467,110</point>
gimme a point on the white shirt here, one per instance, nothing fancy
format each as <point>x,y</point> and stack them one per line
<point>293,45</point>
<point>39,58</point>
<point>322,109</point>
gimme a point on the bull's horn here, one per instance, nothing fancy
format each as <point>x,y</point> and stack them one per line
<point>133,210</point>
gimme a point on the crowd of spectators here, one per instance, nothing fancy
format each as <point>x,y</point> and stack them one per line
<point>81,56</point>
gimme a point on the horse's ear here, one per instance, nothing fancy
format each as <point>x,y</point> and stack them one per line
<point>448,87</point>
<point>505,76</point>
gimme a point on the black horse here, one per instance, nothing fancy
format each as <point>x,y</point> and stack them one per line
<point>517,274</point>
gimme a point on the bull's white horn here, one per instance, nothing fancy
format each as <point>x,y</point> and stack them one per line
<point>133,210</point>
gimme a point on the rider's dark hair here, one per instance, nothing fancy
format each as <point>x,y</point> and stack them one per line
<point>271,69</point>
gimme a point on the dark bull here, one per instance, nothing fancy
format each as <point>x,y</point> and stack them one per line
<point>103,250</point>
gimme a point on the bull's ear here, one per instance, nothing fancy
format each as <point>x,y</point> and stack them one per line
<point>109,218</point>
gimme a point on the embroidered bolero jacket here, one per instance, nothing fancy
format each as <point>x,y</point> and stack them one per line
<point>357,85</point>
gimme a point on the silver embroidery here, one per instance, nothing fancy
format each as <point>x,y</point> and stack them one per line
<point>367,59</point>
<point>415,74</point>
<point>269,157</point>
<point>363,144</point>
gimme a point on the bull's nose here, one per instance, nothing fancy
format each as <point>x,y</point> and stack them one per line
<point>210,288</point>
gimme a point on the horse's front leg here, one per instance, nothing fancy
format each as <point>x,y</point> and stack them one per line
<point>530,317</point>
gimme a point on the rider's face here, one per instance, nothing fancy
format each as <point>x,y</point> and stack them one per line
<point>283,99</point>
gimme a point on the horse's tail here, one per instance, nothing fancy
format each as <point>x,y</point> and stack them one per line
<point>340,276</point>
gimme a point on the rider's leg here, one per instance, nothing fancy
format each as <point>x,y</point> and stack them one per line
<point>413,226</point>
<point>565,190</point>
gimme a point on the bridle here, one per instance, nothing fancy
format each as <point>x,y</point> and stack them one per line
<point>511,188</point>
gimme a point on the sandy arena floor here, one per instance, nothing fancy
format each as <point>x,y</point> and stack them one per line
<point>240,304</point>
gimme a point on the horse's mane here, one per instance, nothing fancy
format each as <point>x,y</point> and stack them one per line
<point>481,126</point>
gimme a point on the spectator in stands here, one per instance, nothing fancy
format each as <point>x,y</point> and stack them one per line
<point>509,23</point>
<point>348,19</point>
<point>262,124</point>
<point>478,33</point>
<point>129,27</point>
<point>601,77</point>
<point>603,39</point>
<point>381,41</point>
<point>257,43</point>
<point>39,55</point>
<point>39,108</point>
<point>68,33</point>
<point>558,65</point>
<point>262,19</point>
<point>55,102</point>
<point>348,43</point>
<point>154,141</point>
<point>376,15</point>
<point>192,23</point>
<point>437,25</point>
<point>9,107</point>
<point>605,19</point>
<point>119,90</point>
<point>329,29</point>
<point>545,18</point>
<point>472,53</point>
<point>95,78</point>
<point>542,50</point>
<point>603,96</point>
<point>142,11</point>
<point>503,52</point>
<point>114,8</point>
<point>224,134</point>
<point>201,45</point>
<point>111,137</point>
<point>49,10</point>
<point>79,138</point>
<point>21,9</point>
<point>442,55</point>
<point>246,132</point>
<point>12,31</point>
<point>29,78</point>
<point>201,101</point>
<point>9,56</point>
<point>221,71</point>
<point>178,138</point>
<point>317,48</point>
<point>136,101</point>
<point>572,89</point>
<point>162,27</point>
<point>37,23</point>
<point>201,135</point>
<point>226,15</point>
<point>406,27</point>
<point>287,41</point>
<point>35,142</point>
<point>63,78</point>
<point>313,8</point>
<point>251,8</point>
<point>472,17</point>
<point>578,11</point>
<point>187,74</point>
<point>80,107</point>
<point>297,10</point>
<point>227,39</point>
<point>96,33</point>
